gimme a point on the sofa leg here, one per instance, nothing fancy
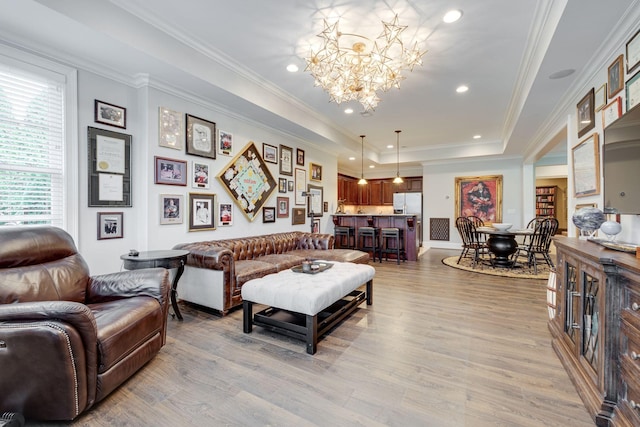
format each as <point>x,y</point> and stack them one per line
<point>247,315</point>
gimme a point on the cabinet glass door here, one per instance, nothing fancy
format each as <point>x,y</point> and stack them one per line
<point>572,302</point>
<point>591,320</point>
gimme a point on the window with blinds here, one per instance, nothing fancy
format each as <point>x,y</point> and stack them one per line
<point>31,149</point>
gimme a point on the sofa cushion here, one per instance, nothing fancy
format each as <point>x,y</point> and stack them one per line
<point>251,269</point>
<point>340,255</point>
<point>282,261</point>
<point>123,325</point>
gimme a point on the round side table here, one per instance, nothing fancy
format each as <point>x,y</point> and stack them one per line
<point>165,259</point>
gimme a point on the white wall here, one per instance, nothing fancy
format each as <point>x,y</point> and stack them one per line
<point>142,229</point>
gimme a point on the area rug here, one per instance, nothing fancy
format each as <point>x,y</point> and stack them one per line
<point>486,268</point>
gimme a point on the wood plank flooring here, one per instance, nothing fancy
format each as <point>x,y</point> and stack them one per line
<point>439,347</point>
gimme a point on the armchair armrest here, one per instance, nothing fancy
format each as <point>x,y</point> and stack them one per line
<point>152,282</point>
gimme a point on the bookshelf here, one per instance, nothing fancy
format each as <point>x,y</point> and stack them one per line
<point>546,199</point>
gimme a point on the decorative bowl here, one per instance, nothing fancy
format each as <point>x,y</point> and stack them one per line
<point>502,226</point>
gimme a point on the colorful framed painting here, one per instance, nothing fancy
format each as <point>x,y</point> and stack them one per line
<point>282,207</point>
<point>586,167</point>
<point>170,171</point>
<point>316,226</point>
<point>225,143</point>
<point>200,175</point>
<point>248,180</point>
<point>315,172</point>
<point>585,113</point>
<point>286,160</point>
<point>611,112</point>
<point>110,225</point>
<point>479,196</point>
<point>201,135</point>
<point>225,217</point>
<point>171,208</point>
<point>171,128</point>
<point>109,114</point>
<point>201,215</point>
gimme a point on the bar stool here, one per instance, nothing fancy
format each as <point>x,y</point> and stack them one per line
<point>392,242</point>
<point>339,234</point>
<point>368,241</point>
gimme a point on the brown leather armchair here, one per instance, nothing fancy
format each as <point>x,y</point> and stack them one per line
<point>67,340</point>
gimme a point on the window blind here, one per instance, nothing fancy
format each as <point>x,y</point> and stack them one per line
<point>31,149</point>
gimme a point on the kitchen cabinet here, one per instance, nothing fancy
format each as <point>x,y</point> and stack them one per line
<point>377,192</point>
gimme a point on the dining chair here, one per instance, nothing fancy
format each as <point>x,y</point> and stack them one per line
<point>538,244</point>
<point>472,240</point>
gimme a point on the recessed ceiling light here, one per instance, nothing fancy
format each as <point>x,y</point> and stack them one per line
<point>390,146</point>
<point>348,111</point>
<point>477,136</point>
<point>292,68</point>
<point>352,158</point>
<point>372,166</point>
<point>452,16</point>
<point>561,74</point>
<point>462,89</point>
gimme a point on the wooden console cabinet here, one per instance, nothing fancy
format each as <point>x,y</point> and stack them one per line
<point>596,328</point>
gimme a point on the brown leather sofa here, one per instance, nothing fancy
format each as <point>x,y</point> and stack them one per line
<point>217,269</point>
<point>67,340</point>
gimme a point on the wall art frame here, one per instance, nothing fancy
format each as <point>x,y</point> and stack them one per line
<point>200,175</point>
<point>300,186</point>
<point>109,167</point>
<point>201,211</point>
<point>600,97</point>
<point>632,49</point>
<point>316,226</point>
<point>170,128</point>
<point>282,205</point>
<point>270,153</point>
<point>248,181</point>
<point>290,186</point>
<point>298,216</point>
<point>282,185</point>
<point>170,171</point>
<point>110,225</point>
<point>171,209</point>
<point>268,214</point>
<point>225,143</point>
<point>615,77</point>
<point>299,157</point>
<point>585,113</point>
<point>286,160</point>
<point>585,162</point>
<point>611,112</point>
<point>479,196</point>
<point>632,91</point>
<point>109,114</point>
<point>315,172</point>
<point>225,214</point>
<point>200,137</point>
<point>315,201</point>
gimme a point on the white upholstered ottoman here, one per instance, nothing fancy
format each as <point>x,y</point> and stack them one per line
<point>305,306</point>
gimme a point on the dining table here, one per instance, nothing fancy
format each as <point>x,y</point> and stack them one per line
<point>502,243</point>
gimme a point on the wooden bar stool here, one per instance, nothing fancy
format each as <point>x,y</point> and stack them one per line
<point>369,241</point>
<point>392,242</point>
<point>340,232</point>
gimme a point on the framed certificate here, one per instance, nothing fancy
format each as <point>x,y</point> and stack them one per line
<point>632,90</point>
<point>109,168</point>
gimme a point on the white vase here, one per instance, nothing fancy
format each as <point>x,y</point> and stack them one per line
<point>611,229</point>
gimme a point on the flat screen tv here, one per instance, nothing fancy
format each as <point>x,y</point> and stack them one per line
<point>621,163</point>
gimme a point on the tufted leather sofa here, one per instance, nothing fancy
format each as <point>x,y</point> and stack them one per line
<point>67,340</point>
<point>242,259</point>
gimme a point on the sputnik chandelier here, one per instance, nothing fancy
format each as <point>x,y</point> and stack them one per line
<point>360,71</point>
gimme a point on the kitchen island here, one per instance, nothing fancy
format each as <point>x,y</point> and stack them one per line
<point>409,223</point>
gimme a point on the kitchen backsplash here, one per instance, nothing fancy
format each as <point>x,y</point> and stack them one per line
<point>372,210</point>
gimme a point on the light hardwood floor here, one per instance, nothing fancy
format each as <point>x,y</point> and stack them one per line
<point>439,347</point>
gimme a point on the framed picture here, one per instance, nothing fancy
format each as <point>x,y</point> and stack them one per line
<point>201,207</point>
<point>301,186</point>
<point>286,160</point>
<point>110,225</point>
<point>297,216</point>
<point>248,180</point>
<point>601,97</point>
<point>225,214</point>
<point>611,112</point>
<point>633,52</point>
<point>282,185</point>
<point>201,136</point>
<point>479,196</point>
<point>315,171</point>
<point>615,77</point>
<point>283,207</point>
<point>585,113</point>
<point>290,186</point>
<point>269,153</point>
<point>325,207</point>
<point>632,91</point>
<point>171,128</point>
<point>225,143</point>
<point>170,171</point>
<point>109,168</point>
<point>314,201</point>
<point>586,167</point>
<point>171,208</point>
<point>109,114</point>
<point>316,226</point>
<point>299,157</point>
<point>199,175</point>
<point>268,214</point>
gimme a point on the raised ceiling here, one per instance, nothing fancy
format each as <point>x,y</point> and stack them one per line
<point>234,54</point>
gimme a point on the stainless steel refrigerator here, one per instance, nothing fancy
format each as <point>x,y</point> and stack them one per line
<point>408,203</point>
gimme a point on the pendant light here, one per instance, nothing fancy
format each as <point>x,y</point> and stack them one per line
<point>397,179</point>
<point>362,180</point>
